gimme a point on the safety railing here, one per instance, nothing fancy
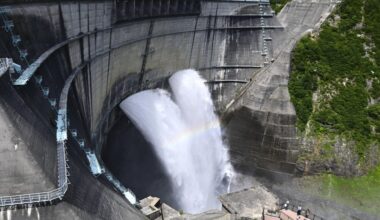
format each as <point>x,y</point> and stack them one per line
<point>127,193</point>
<point>62,170</point>
<point>33,197</point>
<point>281,213</point>
<point>226,81</point>
<point>305,212</point>
<point>5,64</point>
<point>62,167</point>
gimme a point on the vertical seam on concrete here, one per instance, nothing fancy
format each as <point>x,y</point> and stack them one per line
<point>81,49</point>
<point>61,21</point>
<point>307,12</point>
<point>109,56</point>
<point>168,7</point>
<point>86,105</point>
<point>192,43</point>
<point>265,131</point>
<point>146,53</point>
<point>79,18</point>
<point>81,41</point>
<point>64,32</point>
<point>47,70</point>
<point>213,38</point>
<point>88,72</point>
<point>82,113</point>
<point>89,93</point>
<point>108,72</point>
<point>56,35</point>
<point>88,30</point>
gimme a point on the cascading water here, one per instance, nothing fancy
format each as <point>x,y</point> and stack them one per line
<point>187,137</point>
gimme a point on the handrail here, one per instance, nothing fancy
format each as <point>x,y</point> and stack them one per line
<point>62,133</point>
<point>5,64</point>
<point>62,127</point>
<point>305,213</point>
<point>226,81</point>
<point>60,191</point>
<point>239,66</point>
<point>310,215</point>
<point>62,183</point>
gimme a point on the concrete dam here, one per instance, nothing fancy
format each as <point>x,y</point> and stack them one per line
<point>67,149</point>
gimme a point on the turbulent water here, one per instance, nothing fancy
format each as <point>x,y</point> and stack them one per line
<point>187,138</point>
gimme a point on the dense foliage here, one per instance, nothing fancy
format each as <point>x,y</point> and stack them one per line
<point>372,27</point>
<point>340,68</point>
<point>277,5</point>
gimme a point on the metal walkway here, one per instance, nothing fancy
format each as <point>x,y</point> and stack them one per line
<point>62,182</point>
<point>5,64</point>
<point>91,156</point>
<point>62,185</point>
<point>62,122</point>
<point>226,81</point>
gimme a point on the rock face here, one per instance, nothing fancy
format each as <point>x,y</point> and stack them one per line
<point>261,127</point>
<point>334,155</point>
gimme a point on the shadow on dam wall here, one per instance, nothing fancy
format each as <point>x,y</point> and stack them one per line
<point>28,110</point>
<point>33,120</point>
<point>134,162</point>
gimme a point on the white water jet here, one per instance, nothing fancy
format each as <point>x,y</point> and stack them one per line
<point>29,212</point>
<point>9,214</point>
<point>187,138</point>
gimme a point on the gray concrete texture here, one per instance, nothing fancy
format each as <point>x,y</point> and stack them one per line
<point>249,203</point>
<point>143,53</point>
<point>262,125</point>
<point>21,172</point>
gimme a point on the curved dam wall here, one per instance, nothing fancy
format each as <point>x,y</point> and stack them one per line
<point>119,53</point>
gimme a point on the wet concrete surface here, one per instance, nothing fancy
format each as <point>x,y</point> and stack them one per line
<point>133,161</point>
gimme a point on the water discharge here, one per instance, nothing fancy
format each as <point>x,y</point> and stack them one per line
<point>187,138</point>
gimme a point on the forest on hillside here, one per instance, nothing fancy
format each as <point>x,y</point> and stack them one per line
<point>335,88</point>
<point>335,78</point>
<point>277,5</point>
